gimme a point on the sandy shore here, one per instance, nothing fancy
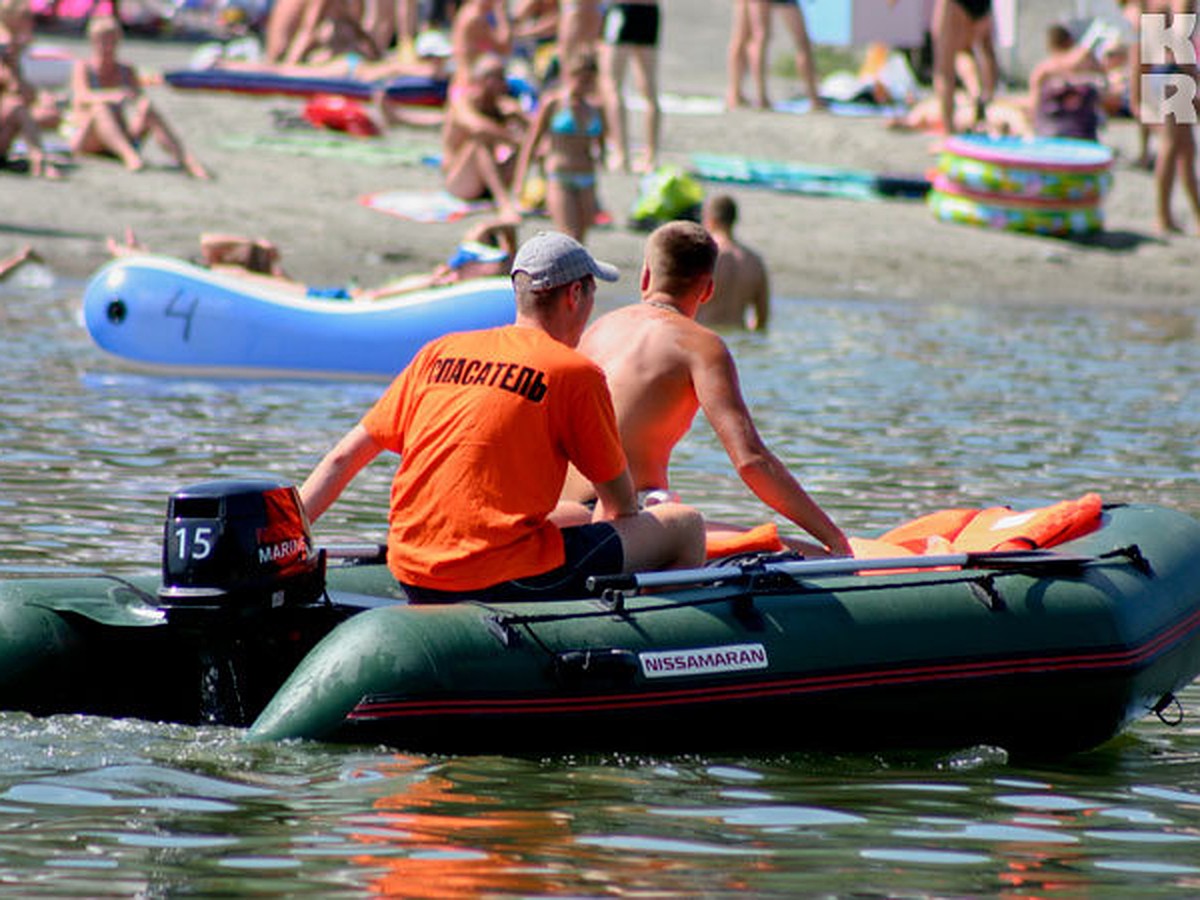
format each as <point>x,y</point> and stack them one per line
<point>816,247</point>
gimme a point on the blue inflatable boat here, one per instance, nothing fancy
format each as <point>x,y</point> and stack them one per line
<point>164,314</point>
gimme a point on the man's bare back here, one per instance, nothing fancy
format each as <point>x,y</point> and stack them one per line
<point>662,366</point>
<point>741,288</point>
<point>650,353</point>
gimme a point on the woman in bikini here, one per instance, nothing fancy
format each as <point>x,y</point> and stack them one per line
<point>571,127</point>
<point>110,111</point>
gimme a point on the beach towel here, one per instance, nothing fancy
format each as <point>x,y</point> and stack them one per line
<point>813,181</point>
<point>423,205</point>
<point>324,145</point>
<point>847,108</point>
<point>679,104</point>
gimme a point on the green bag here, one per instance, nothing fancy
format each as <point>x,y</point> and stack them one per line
<point>666,193</point>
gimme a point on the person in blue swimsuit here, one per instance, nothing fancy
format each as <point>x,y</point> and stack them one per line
<point>569,128</point>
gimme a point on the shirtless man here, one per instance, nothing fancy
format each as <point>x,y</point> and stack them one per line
<point>742,295</point>
<point>662,367</point>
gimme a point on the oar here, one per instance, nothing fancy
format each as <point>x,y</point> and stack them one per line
<point>1024,560</point>
<point>365,553</point>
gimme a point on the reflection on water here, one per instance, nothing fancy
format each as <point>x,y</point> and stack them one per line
<point>102,807</point>
<point>884,410</point>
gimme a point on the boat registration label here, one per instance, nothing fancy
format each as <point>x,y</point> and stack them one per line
<point>703,660</point>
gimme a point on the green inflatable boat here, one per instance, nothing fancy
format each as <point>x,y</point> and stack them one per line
<point>1037,651</point>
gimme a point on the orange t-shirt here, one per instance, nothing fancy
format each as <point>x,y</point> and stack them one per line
<point>485,423</point>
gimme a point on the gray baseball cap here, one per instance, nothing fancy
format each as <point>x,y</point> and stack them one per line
<point>552,259</point>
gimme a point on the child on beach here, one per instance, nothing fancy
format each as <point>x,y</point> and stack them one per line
<point>111,113</point>
<point>572,128</point>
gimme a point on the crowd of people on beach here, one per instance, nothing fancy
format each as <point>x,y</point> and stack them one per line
<point>553,152</point>
<point>568,472</point>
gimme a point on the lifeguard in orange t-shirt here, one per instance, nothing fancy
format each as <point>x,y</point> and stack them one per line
<point>485,424</point>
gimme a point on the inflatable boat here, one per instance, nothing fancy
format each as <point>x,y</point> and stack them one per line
<point>408,89</point>
<point>168,315</point>
<point>249,624</point>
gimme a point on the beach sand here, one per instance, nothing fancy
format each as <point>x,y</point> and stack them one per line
<point>815,247</point>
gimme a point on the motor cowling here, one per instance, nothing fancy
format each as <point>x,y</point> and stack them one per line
<point>238,547</point>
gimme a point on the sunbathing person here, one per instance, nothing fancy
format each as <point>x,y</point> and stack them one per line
<point>571,128</point>
<point>111,112</point>
<point>486,249</point>
<point>482,135</point>
<point>19,102</point>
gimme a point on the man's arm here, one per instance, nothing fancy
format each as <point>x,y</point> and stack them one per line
<point>327,481</point>
<point>715,379</point>
<point>616,498</point>
<point>760,304</point>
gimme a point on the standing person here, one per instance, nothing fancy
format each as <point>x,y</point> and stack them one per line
<point>958,26</point>
<point>741,290</point>
<point>1176,135</point>
<point>752,29</point>
<point>291,29</point>
<point>111,113</point>
<point>631,32</point>
<point>662,366</point>
<point>485,424</point>
<point>480,27</point>
<point>481,136</point>
<point>573,129</point>
<point>579,24</point>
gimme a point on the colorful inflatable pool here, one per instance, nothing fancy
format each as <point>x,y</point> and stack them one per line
<point>1050,186</point>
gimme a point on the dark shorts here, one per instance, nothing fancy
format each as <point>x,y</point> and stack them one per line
<point>593,549</point>
<point>976,9</point>
<point>632,23</point>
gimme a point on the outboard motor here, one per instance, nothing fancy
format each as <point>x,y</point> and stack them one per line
<point>244,588</point>
<point>238,548</point>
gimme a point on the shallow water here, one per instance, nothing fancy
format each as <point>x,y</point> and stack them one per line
<point>885,410</point>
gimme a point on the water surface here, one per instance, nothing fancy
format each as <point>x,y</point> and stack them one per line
<point>884,410</point>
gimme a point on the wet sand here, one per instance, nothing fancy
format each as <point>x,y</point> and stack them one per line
<point>815,247</point>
